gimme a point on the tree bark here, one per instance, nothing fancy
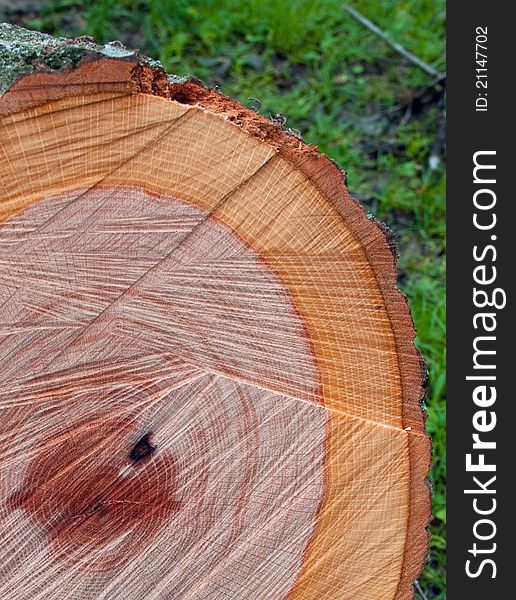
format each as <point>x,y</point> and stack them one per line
<point>209,382</point>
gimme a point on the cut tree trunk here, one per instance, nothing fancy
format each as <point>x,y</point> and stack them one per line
<point>209,385</point>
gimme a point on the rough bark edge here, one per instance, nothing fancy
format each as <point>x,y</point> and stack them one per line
<point>38,66</point>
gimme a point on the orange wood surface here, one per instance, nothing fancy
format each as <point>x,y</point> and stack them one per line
<point>183,269</point>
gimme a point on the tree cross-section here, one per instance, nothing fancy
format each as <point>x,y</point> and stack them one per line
<point>209,387</point>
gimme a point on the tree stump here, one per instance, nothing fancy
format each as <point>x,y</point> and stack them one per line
<point>209,384</point>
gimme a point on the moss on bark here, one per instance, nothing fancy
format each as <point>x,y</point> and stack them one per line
<point>23,51</point>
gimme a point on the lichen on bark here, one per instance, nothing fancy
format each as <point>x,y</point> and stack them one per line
<point>23,51</point>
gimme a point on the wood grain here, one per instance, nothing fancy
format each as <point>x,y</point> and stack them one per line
<point>174,266</point>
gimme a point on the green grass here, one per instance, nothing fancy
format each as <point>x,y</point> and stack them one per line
<point>347,92</point>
